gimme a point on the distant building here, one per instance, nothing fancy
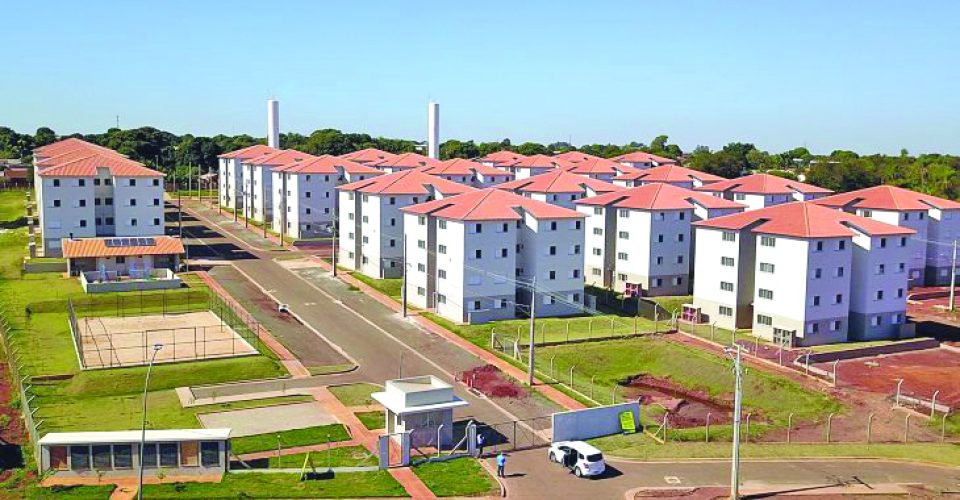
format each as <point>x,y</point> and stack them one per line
<point>639,240</point>
<point>405,161</point>
<point>230,173</point>
<point>468,256</point>
<point>500,159</point>
<point>667,174</point>
<point>305,194</point>
<point>258,181</point>
<point>558,187</point>
<point>469,172</point>
<point>576,157</point>
<point>371,225</point>
<point>368,156</point>
<point>803,274</point>
<point>600,169</point>
<point>535,165</point>
<point>124,264</point>
<point>641,160</point>
<point>935,220</point>
<point>764,190</point>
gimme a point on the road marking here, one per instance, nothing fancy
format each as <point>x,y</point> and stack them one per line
<point>672,479</point>
<point>308,304</point>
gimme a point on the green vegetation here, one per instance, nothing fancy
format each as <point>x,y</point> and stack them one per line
<point>845,346</point>
<point>391,287</point>
<point>641,447</point>
<point>101,492</point>
<point>355,394</point>
<point>459,477</point>
<point>13,206</point>
<point>265,485</point>
<point>372,420</point>
<point>770,397</point>
<point>343,456</point>
<point>287,439</point>
<point>674,304</point>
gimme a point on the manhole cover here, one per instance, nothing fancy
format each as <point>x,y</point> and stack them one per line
<point>672,479</point>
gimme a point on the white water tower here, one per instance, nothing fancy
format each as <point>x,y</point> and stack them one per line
<point>433,130</point>
<point>273,123</point>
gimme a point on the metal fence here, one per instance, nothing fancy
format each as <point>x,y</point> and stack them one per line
<point>21,381</point>
<point>515,435</point>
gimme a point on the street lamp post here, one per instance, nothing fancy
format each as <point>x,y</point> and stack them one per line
<point>734,352</point>
<point>143,422</point>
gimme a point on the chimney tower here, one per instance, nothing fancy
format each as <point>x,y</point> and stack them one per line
<point>433,130</point>
<point>273,123</point>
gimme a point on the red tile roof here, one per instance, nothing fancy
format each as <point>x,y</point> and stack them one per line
<point>326,164</point>
<point>575,156</point>
<point>600,166</point>
<point>557,181</point>
<point>459,166</point>
<point>411,182</point>
<point>641,157</point>
<point>804,220</point>
<point>669,173</point>
<point>540,161</point>
<point>67,145</point>
<point>887,198</point>
<point>279,157</point>
<point>659,196</point>
<point>502,157</point>
<point>490,204</point>
<point>97,247</point>
<point>369,155</point>
<point>249,152</point>
<point>73,154</point>
<point>763,184</point>
<point>406,161</point>
<point>87,167</point>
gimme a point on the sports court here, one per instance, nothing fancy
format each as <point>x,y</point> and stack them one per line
<point>269,418</point>
<point>111,342</point>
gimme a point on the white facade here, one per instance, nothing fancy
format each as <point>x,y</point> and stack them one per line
<point>309,206</point>
<point>99,205</point>
<point>257,192</point>
<point>230,178</point>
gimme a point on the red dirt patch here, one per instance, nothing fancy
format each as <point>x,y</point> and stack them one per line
<point>686,408</point>
<point>489,380</point>
<point>13,432</point>
<point>923,372</point>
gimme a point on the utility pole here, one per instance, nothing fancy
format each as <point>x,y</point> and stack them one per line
<point>953,279</point>
<point>403,287</point>
<point>263,201</point>
<point>333,253</point>
<point>533,316</point>
<point>283,206</point>
<point>248,192</point>
<point>179,208</point>
<point>735,351</point>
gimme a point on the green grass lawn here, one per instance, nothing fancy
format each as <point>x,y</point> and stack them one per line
<point>770,397</point>
<point>288,439</point>
<point>13,205</point>
<point>69,492</point>
<point>390,286</point>
<point>264,485</point>
<point>672,303</point>
<point>372,420</point>
<point>343,456</point>
<point>459,477</point>
<point>355,394</point>
<point>844,346</point>
<point>640,447</point>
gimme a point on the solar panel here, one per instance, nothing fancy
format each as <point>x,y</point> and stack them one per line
<point>149,242</point>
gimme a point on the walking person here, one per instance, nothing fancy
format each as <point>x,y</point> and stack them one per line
<point>501,464</point>
<point>480,440</point>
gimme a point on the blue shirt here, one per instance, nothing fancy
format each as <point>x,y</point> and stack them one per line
<point>501,460</point>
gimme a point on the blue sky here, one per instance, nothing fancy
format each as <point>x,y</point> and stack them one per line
<point>864,75</point>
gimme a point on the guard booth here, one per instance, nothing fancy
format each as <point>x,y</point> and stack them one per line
<point>421,407</point>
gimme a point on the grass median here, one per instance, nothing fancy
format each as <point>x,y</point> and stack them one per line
<point>343,456</point>
<point>288,439</point>
<point>278,485</point>
<point>459,477</point>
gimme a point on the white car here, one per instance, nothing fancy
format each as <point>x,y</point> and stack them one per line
<point>583,459</point>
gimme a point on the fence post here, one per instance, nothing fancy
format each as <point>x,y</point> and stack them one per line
<point>665,435</point>
<point>568,330</point>
<point>713,330</point>
<point>543,335</point>
<point>896,400</point>
<point>943,427</point>
<point>707,429</point>
<point>613,395</point>
<point>552,372</point>
<point>789,425</point>
<point>492,337</point>
<point>634,325</point>
<point>869,427</point>
<point>806,364</point>
<point>906,428</point>
<point>656,318</point>
<point>571,375</point>
<point>829,424</point>
<point>835,363</point>
<point>593,384</point>
<point>439,430</point>
<point>612,327</point>
<point>747,434</point>
<point>590,329</point>
<point>933,403</point>
<point>514,441</point>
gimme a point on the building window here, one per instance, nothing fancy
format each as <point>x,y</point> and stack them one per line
<point>841,245</point>
<point>813,328</point>
<point>597,252</point>
<point>133,182</point>
<point>575,273</point>
<point>680,237</point>
<point>875,321</point>
<point>726,311</point>
<point>108,201</point>
<point>156,202</point>
<point>56,183</point>
<point>728,236</point>
<point>679,259</point>
<point>899,293</point>
<point>726,261</point>
<point>739,196</point>
<point>838,299</point>
<point>478,254</point>
<point>133,222</point>
<point>768,241</point>
<point>659,260</point>
<point>421,220</point>
<point>552,275</point>
<point>597,231</point>
<point>623,235</point>
<point>726,286</point>
<point>56,203</point>
<point>623,214</point>
<point>504,252</point>
<point>421,244</point>
<point>421,291</point>
<point>552,250</point>
<point>883,243</point>
<point>133,202</point>
<point>879,295</point>
<point>901,267</point>
<point>156,221</point>
<point>819,247</point>
<point>596,272</point>
<point>597,210</point>
<point>835,325</point>
<point>622,277</point>
<point>83,223</point>
<point>442,274</point>
<point>766,267</point>
<point>840,272</point>
<point>764,320</point>
<point>765,294</point>
<point>817,273</point>
<point>816,300</point>
<point>881,269</point>
<point>622,256</point>
<point>677,281</point>
<point>903,241</point>
<point>659,238</point>
<point>476,305</point>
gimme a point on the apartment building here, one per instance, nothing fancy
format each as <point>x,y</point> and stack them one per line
<point>469,172</point>
<point>764,190</point>
<point>371,224</point>
<point>470,255</point>
<point>59,152</point>
<point>230,173</point>
<point>103,194</point>
<point>639,240</point>
<point>667,174</point>
<point>803,274</point>
<point>405,161</point>
<point>305,193</point>
<point>500,159</point>
<point>576,157</point>
<point>642,161</point>
<point>368,156</point>
<point>600,169</point>
<point>535,165</point>
<point>258,181</point>
<point>558,187</point>
<point>935,220</point>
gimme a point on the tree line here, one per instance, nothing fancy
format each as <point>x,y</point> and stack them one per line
<point>840,170</point>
